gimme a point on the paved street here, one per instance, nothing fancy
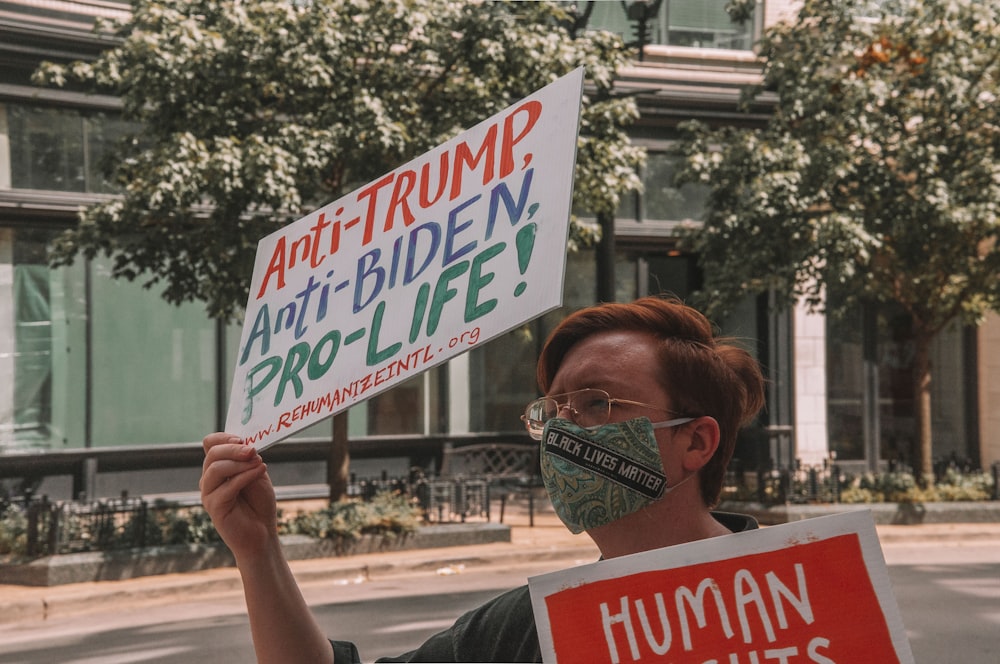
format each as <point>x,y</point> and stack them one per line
<point>384,616</point>
<point>947,585</point>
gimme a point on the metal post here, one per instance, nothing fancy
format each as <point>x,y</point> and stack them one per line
<point>54,525</point>
<point>485,496</point>
<point>34,509</point>
<point>85,480</point>
<point>606,259</point>
<point>870,416</point>
<point>143,516</point>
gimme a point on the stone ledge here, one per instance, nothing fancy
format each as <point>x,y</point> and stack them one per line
<point>884,514</point>
<point>132,563</point>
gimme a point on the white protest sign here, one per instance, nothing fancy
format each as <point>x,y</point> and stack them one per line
<point>455,247</point>
<point>814,591</point>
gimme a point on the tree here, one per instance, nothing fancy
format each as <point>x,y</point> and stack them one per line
<point>252,113</point>
<point>877,175</point>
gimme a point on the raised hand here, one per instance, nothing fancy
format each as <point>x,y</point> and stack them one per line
<point>237,493</point>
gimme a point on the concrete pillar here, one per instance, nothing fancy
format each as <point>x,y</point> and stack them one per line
<point>812,442</point>
<point>989,390</point>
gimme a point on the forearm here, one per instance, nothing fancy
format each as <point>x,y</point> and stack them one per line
<point>283,627</point>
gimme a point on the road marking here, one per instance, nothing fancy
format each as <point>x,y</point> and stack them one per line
<point>417,625</point>
<point>975,586</point>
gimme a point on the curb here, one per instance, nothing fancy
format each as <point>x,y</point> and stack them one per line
<point>884,514</point>
<point>40,603</point>
<point>153,561</point>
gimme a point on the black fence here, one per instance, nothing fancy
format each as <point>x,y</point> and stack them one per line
<point>59,527</point>
<point>812,484</point>
<point>825,483</point>
<point>74,527</point>
<point>441,499</point>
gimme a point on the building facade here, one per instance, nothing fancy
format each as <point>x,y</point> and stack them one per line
<point>91,362</point>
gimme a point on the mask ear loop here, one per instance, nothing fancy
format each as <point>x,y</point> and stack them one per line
<point>668,489</point>
<point>656,425</point>
<point>673,423</point>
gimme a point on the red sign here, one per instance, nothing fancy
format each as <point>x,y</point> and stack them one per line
<point>810,599</point>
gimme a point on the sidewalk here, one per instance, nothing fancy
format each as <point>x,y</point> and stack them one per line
<point>548,540</point>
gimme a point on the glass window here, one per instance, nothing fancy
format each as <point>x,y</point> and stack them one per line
<point>60,150</point>
<point>103,132</point>
<point>660,199</point>
<point>893,363</point>
<point>695,23</point>
<point>845,386</point>
<point>674,273</point>
<point>153,365</point>
<point>705,24</point>
<point>46,150</point>
<point>43,348</point>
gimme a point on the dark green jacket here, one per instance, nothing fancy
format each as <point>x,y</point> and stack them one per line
<point>502,630</point>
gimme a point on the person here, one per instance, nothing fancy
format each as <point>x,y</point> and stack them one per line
<point>640,415</point>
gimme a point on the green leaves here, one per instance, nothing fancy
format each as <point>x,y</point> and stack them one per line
<point>878,172</point>
<point>253,113</point>
<point>876,178</point>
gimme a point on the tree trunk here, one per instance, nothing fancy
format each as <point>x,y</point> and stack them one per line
<point>339,459</point>
<point>923,466</point>
<point>606,259</point>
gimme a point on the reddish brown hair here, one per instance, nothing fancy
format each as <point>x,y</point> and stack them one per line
<point>702,373</point>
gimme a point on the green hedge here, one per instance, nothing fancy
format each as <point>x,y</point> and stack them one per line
<point>953,486</point>
<point>387,514</point>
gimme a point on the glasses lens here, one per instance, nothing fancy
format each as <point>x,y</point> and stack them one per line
<point>537,414</point>
<point>590,408</point>
<point>587,408</point>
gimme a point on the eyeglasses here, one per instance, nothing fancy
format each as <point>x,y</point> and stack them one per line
<point>589,407</point>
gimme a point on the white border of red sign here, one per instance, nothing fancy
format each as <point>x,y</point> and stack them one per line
<point>571,585</point>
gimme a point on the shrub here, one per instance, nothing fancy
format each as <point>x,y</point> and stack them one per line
<point>387,513</point>
<point>13,531</point>
<point>897,487</point>
<point>970,486</point>
<point>191,526</point>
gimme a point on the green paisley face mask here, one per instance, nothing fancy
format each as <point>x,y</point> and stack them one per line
<point>596,476</point>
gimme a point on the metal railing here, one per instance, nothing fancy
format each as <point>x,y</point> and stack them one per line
<point>771,485</point>
<point>61,527</point>
<point>73,527</point>
<point>78,526</point>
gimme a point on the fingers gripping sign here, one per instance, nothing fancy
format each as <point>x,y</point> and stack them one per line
<point>237,493</point>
